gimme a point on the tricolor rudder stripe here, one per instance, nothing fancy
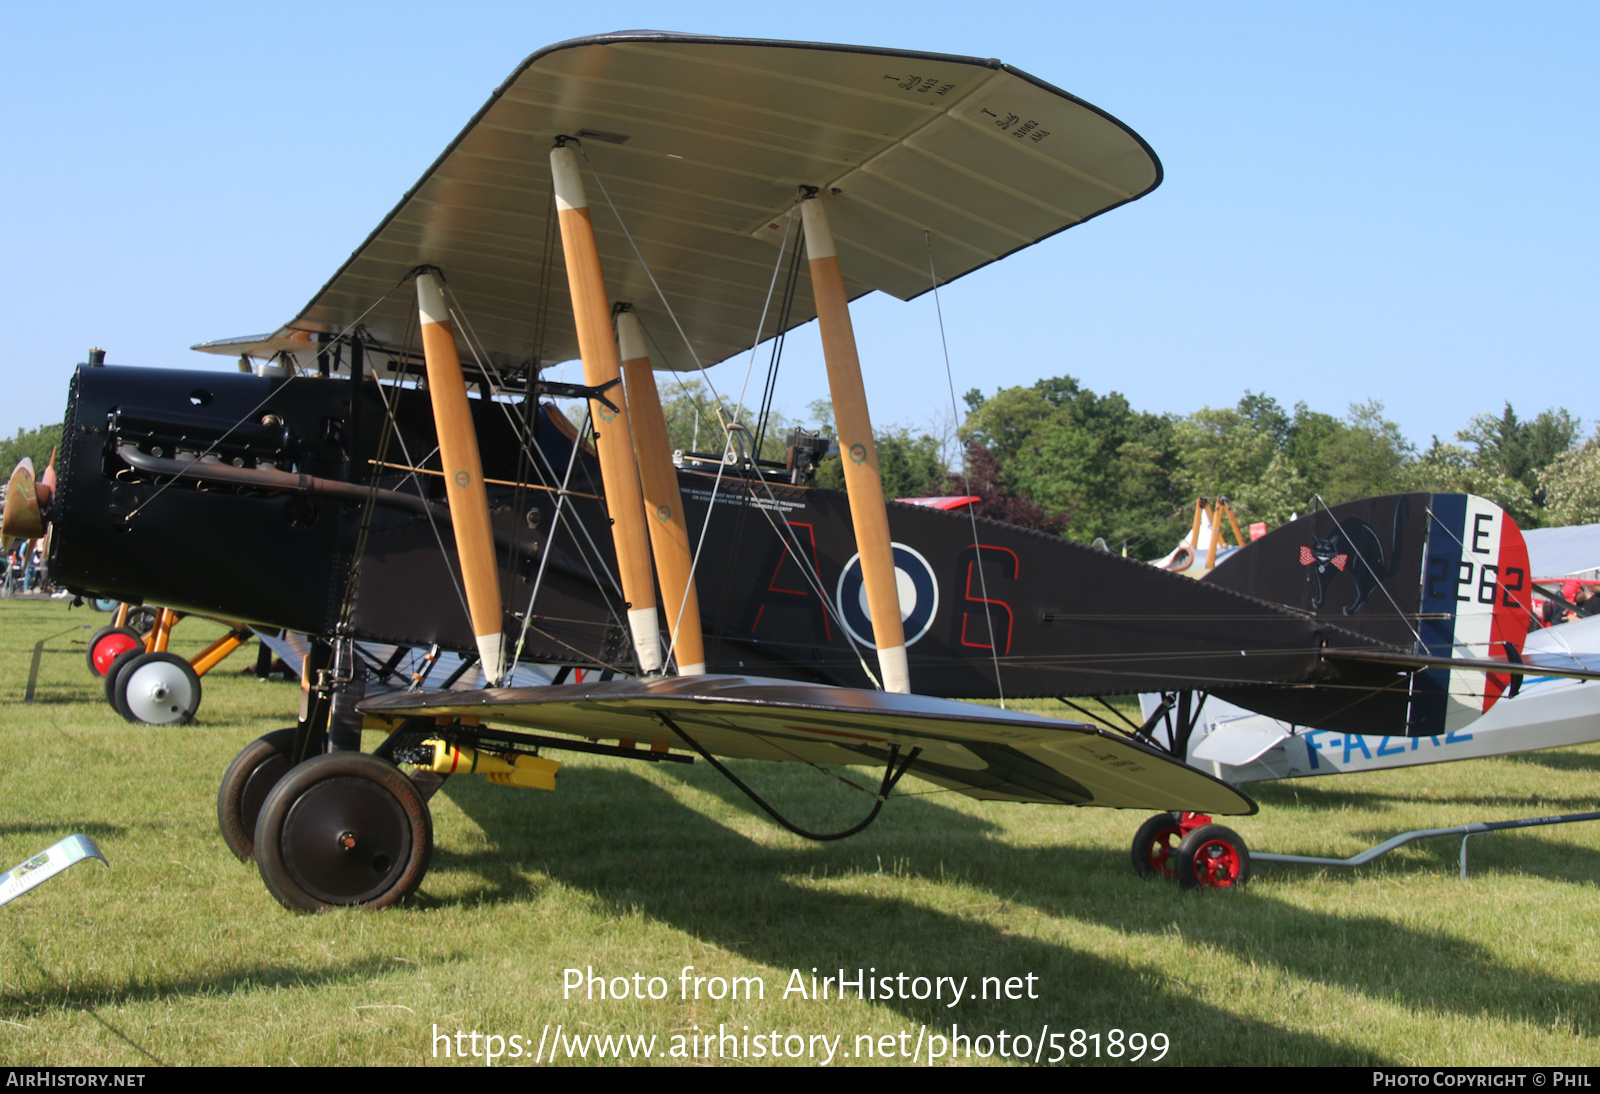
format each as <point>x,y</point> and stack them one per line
<point>1476,592</point>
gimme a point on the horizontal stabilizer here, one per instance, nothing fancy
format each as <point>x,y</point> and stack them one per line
<point>1240,741</point>
<point>982,752</point>
<point>1557,664</point>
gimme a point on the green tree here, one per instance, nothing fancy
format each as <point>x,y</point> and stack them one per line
<point>1510,448</point>
<point>1571,484</point>
<point>908,463</point>
<point>1451,469</point>
<point>1088,459</point>
<point>36,444</point>
<point>1365,458</point>
<point>1221,451</point>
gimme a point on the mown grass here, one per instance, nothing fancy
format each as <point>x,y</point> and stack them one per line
<point>178,955</point>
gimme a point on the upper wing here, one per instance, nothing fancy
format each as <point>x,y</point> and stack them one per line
<point>980,751</point>
<point>702,144</point>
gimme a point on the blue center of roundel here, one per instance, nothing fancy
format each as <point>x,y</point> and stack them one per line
<point>919,596</point>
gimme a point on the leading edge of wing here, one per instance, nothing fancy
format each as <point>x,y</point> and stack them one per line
<point>445,218</point>
<point>982,752</point>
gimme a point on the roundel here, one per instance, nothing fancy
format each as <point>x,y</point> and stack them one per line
<point>919,596</point>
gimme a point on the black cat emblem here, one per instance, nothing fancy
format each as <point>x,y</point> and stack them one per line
<point>1354,547</point>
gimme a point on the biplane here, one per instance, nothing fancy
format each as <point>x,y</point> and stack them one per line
<point>387,468</point>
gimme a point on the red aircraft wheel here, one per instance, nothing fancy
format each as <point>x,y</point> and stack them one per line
<point>1212,857</point>
<point>245,786</point>
<point>108,644</point>
<point>1155,844</point>
<point>343,829</point>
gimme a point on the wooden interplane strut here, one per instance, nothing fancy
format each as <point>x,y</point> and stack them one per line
<point>856,448</point>
<point>458,453</point>
<point>663,501</point>
<point>597,346</point>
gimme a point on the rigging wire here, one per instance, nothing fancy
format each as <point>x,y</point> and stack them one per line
<point>555,524</point>
<point>780,336</point>
<point>728,442</point>
<point>528,441</point>
<point>251,412</point>
<point>1371,569</point>
<point>977,548</point>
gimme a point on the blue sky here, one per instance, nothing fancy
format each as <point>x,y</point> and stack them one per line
<point>1361,200</point>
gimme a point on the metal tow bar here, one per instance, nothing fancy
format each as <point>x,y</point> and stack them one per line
<point>1465,831</point>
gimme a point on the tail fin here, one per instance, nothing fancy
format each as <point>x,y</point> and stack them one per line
<point>1450,578</point>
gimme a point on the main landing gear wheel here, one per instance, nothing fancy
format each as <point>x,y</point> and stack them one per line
<point>1212,857</point>
<point>343,829</point>
<point>245,786</point>
<point>108,644</point>
<point>1155,845</point>
<point>158,689</point>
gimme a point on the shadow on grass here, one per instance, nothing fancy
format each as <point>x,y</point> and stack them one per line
<point>632,844</point>
<point>1388,960</point>
<point>61,830</point>
<point>88,997</point>
<point>1331,799</point>
<point>86,994</point>
<point>1558,761</point>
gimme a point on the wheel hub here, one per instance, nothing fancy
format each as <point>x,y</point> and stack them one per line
<point>157,693</point>
<point>1218,865</point>
<point>342,839</point>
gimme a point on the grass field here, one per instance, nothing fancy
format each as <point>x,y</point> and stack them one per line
<point>177,955</point>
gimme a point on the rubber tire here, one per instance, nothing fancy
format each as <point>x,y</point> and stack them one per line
<point>1213,857</point>
<point>247,783</point>
<point>125,678</point>
<point>1155,847</point>
<point>143,618</point>
<point>324,798</point>
<point>104,633</point>
<point>114,673</point>
<point>411,731</point>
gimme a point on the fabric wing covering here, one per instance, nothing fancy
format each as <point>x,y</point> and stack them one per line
<point>983,752</point>
<point>703,143</point>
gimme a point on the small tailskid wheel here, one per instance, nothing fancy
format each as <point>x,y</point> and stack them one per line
<point>245,786</point>
<point>340,830</point>
<point>143,619</point>
<point>158,689</point>
<point>1212,857</point>
<point>108,644</point>
<point>1156,845</point>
